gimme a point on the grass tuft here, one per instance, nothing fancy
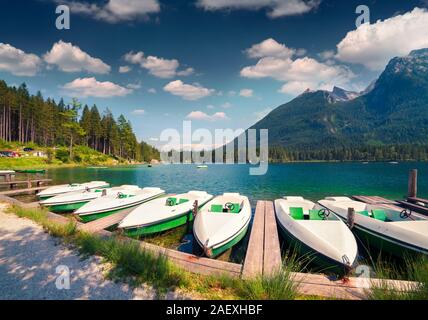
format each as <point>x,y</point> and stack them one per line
<point>414,269</point>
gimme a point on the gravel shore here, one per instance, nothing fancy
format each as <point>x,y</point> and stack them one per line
<point>29,259</point>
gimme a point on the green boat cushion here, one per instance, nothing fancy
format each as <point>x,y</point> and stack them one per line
<point>236,208</point>
<point>98,190</point>
<point>297,213</point>
<point>171,201</point>
<point>313,215</point>
<point>216,208</point>
<point>183,201</point>
<point>364,213</point>
<point>379,214</point>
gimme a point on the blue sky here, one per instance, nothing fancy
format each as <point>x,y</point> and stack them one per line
<point>219,63</point>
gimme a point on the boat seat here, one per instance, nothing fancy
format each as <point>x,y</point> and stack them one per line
<point>379,214</point>
<point>236,208</point>
<point>364,213</point>
<point>313,215</point>
<point>182,201</point>
<point>297,213</point>
<point>216,208</point>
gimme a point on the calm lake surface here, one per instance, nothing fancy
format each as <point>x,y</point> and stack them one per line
<point>311,180</point>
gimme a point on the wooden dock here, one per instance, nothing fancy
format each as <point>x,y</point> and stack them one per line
<point>106,222</point>
<point>263,252</point>
<point>12,184</point>
<point>16,192</point>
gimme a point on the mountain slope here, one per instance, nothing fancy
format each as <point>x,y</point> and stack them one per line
<point>394,111</point>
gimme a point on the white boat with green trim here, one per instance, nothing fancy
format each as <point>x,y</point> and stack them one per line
<point>72,187</point>
<point>72,201</point>
<point>163,214</point>
<point>397,232</point>
<point>222,223</point>
<point>110,204</point>
<point>317,234</point>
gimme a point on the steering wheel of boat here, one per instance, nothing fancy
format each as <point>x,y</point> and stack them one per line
<point>405,214</point>
<point>324,213</point>
<point>229,206</point>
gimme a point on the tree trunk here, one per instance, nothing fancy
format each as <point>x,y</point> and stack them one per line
<point>71,147</point>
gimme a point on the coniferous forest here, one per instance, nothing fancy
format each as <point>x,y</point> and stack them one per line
<point>27,118</point>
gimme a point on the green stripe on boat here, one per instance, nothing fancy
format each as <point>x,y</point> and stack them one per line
<point>159,227</point>
<point>69,207</point>
<point>218,251</point>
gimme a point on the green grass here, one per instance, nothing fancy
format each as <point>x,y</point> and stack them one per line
<point>413,269</point>
<point>278,286</point>
<point>82,156</point>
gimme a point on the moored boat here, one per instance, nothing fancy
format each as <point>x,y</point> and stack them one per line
<point>163,214</point>
<point>72,187</point>
<point>31,171</point>
<point>72,201</point>
<point>222,223</point>
<point>317,234</point>
<point>397,232</point>
<point>110,204</point>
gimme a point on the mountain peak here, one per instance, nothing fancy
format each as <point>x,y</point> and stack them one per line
<point>341,95</point>
<point>419,53</point>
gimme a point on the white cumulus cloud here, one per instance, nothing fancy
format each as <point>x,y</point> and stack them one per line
<point>373,45</point>
<point>298,73</point>
<point>124,69</point>
<point>270,48</point>
<point>159,67</point>
<point>188,91</point>
<point>139,112</point>
<point>246,93</point>
<point>275,8</point>
<point>70,58</point>
<point>202,116</point>
<point>90,87</point>
<point>17,62</point>
<point>114,11</point>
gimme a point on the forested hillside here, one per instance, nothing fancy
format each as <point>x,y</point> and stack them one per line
<point>27,118</point>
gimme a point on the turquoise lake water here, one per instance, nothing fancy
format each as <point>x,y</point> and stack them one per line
<point>311,180</point>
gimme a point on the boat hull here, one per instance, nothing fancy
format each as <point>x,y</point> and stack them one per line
<point>215,252</point>
<point>67,207</point>
<point>218,251</point>
<point>323,262</point>
<point>159,227</point>
<point>386,245</point>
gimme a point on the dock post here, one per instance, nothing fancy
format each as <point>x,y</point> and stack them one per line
<point>413,184</point>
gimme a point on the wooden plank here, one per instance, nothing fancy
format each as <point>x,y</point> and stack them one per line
<point>106,222</point>
<point>353,288</point>
<point>414,207</point>
<point>374,200</point>
<point>415,199</point>
<point>253,264</point>
<point>5,183</point>
<point>272,252</point>
<point>21,191</point>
